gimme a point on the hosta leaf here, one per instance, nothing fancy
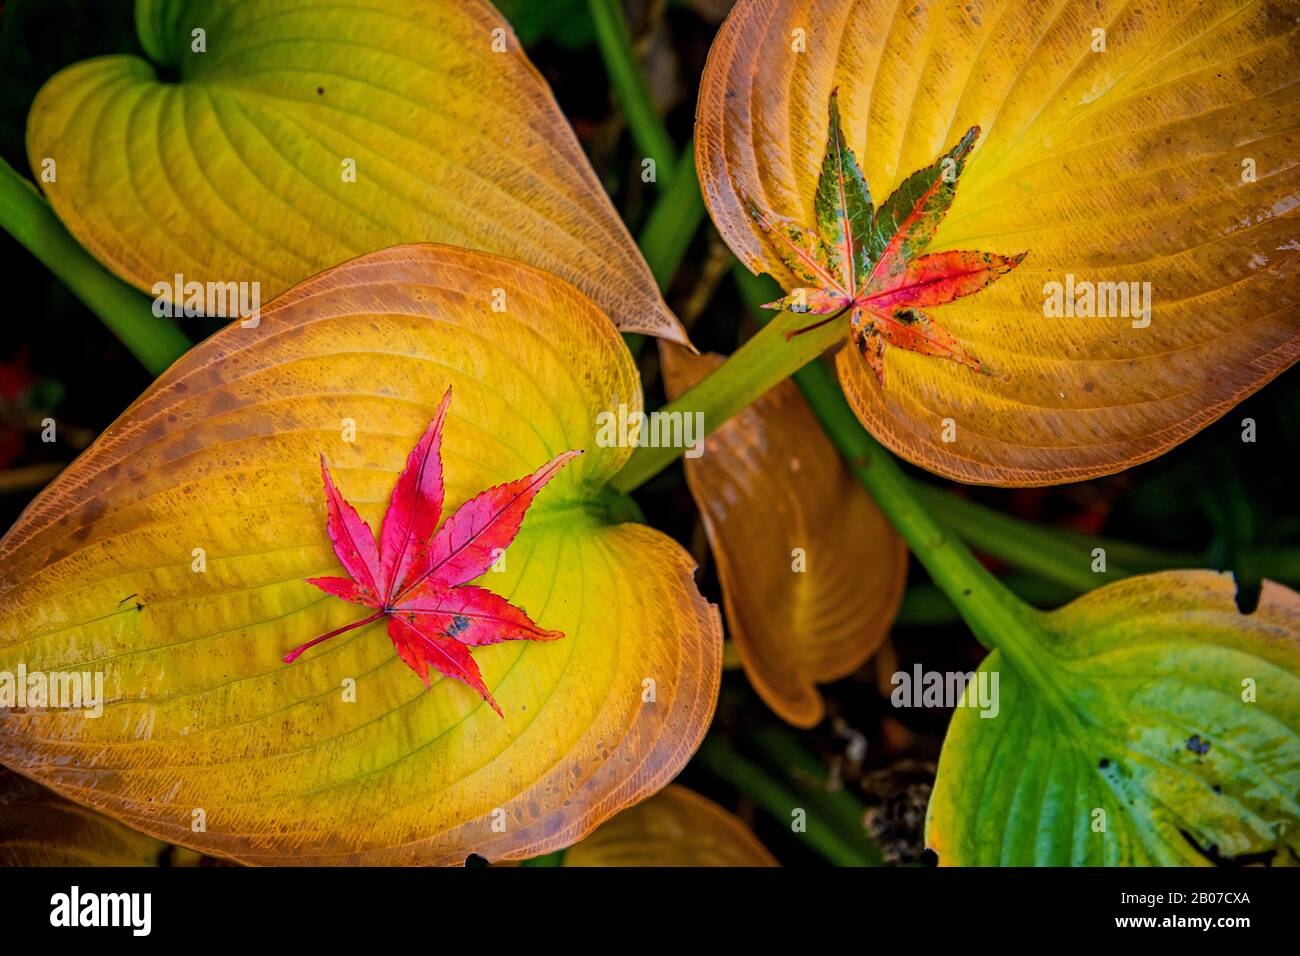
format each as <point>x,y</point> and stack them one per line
<point>238,170</point>
<point>675,827</point>
<point>172,556</point>
<point>1167,158</point>
<point>812,573</point>
<point>40,828</point>
<point>1153,702</point>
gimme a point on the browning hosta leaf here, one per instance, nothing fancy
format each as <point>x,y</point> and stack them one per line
<point>1165,160</point>
<point>675,827</point>
<point>305,133</point>
<point>812,573</point>
<point>1149,722</point>
<point>173,557</point>
<point>40,828</point>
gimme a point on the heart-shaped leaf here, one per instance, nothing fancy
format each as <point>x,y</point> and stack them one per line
<point>173,557</point>
<point>299,134</point>
<point>1147,145</point>
<point>40,828</point>
<point>812,573</point>
<point>675,827</point>
<point>1148,722</point>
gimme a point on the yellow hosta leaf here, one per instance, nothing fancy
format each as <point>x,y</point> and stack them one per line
<point>1150,723</point>
<point>305,133</point>
<point>675,827</point>
<point>1150,144</point>
<point>172,555</point>
<point>40,828</point>
<point>812,573</point>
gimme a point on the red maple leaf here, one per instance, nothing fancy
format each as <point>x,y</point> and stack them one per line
<point>867,262</point>
<point>419,580</point>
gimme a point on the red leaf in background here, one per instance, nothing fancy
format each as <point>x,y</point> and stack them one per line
<point>15,379</point>
<point>868,263</point>
<point>417,579</point>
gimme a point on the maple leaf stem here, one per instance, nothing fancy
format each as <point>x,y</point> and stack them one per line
<point>818,325</point>
<point>294,654</point>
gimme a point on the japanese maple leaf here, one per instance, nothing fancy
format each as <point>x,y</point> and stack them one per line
<point>867,262</point>
<point>418,580</point>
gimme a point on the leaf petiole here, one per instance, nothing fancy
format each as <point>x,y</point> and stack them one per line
<point>817,325</point>
<point>628,80</point>
<point>759,364</point>
<point>26,216</point>
<point>294,654</point>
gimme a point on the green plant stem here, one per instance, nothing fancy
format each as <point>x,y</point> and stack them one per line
<point>128,313</point>
<point>986,604</point>
<point>668,232</point>
<point>546,859</point>
<point>839,805</point>
<point>718,758</point>
<point>628,80</point>
<point>1053,553</point>
<point>1019,543</point>
<point>759,364</point>
<point>673,221</point>
<point>927,605</point>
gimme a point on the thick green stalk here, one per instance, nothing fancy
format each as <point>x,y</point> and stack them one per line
<point>628,80</point>
<point>926,604</point>
<point>717,757</point>
<point>840,806</point>
<point>1133,557</point>
<point>128,313</point>
<point>997,617</point>
<point>1065,557</point>
<point>759,364</point>
<point>674,220</point>
<point>1021,544</point>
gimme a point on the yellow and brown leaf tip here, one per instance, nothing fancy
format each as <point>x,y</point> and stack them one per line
<point>418,580</point>
<point>867,262</point>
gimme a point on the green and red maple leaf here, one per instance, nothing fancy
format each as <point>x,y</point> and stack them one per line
<point>419,580</point>
<point>868,263</point>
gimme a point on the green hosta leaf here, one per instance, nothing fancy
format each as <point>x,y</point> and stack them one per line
<point>1152,707</point>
